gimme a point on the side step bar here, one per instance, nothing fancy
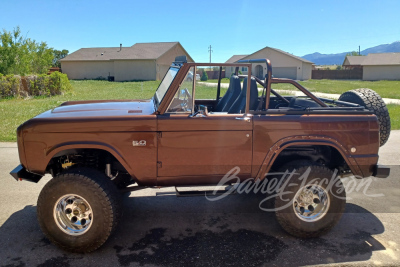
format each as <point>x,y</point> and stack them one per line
<point>202,193</point>
<point>198,193</point>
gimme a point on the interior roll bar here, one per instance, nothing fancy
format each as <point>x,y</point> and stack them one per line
<point>269,80</point>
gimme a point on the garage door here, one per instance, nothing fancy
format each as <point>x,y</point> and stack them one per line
<point>285,72</point>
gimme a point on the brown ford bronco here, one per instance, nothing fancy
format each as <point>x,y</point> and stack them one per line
<point>182,136</point>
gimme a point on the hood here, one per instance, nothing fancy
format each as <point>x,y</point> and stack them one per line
<point>101,109</point>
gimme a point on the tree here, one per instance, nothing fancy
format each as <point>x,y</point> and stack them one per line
<point>353,53</point>
<point>59,55</point>
<point>22,55</point>
<point>204,77</point>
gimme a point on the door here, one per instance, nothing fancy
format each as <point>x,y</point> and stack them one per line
<point>259,71</point>
<point>202,150</point>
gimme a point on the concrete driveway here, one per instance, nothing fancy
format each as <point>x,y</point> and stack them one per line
<point>171,231</point>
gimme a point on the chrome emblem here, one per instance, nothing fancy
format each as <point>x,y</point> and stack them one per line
<point>139,143</point>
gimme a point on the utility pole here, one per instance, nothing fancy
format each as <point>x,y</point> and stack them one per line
<point>210,50</point>
<point>359,50</point>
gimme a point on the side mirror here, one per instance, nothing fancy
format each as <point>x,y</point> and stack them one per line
<point>202,112</point>
<point>206,110</point>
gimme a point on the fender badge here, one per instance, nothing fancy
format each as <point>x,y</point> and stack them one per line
<point>139,143</point>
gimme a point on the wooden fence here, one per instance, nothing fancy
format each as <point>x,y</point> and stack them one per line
<point>212,74</point>
<point>354,74</point>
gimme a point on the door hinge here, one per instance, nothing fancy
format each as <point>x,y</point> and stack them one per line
<point>159,135</point>
<point>159,164</point>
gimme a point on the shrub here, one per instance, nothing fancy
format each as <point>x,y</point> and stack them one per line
<point>34,85</point>
<point>9,85</point>
<point>204,76</point>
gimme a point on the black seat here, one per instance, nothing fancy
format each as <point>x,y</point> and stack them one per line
<point>230,96</point>
<point>302,103</point>
<point>239,105</point>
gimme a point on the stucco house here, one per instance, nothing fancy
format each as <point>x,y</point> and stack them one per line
<point>284,65</point>
<point>384,66</point>
<point>379,66</point>
<point>141,61</point>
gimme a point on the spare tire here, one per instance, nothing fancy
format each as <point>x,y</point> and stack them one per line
<point>373,102</point>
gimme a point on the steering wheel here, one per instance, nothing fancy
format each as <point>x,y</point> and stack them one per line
<point>184,95</point>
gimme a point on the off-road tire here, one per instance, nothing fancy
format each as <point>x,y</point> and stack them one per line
<point>373,102</point>
<point>100,193</point>
<point>285,212</point>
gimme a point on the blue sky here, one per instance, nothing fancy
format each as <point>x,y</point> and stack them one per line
<point>231,27</point>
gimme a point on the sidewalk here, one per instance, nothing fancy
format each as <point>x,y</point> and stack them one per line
<point>299,93</point>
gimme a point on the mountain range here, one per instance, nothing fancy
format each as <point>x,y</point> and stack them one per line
<point>337,59</point>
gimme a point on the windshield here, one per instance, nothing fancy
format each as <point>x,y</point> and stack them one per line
<point>164,85</point>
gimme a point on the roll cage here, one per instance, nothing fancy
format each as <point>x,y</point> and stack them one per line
<point>324,105</point>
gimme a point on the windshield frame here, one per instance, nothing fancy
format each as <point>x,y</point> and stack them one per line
<point>155,97</point>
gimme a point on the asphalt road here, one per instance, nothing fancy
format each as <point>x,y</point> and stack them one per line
<point>172,231</point>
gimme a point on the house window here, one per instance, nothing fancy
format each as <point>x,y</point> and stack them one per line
<point>244,68</point>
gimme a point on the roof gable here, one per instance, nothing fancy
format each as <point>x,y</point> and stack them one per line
<point>235,58</point>
<point>353,60</point>
<point>282,52</point>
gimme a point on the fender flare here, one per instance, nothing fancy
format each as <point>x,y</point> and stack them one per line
<point>283,143</point>
<point>87,145</point>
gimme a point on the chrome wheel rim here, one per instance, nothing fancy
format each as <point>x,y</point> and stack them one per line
<point>311,203</point>
<point>73,214</point>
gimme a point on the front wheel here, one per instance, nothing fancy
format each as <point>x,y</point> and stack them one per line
<point>310,202</point>
<point>78,210</point>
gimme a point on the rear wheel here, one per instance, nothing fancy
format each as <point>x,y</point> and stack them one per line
<point>310,202</point>
<point>373,102</point>
<point>78,210</point>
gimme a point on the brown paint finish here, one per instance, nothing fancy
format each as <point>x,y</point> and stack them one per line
<point>182,149</point>
<point>340,131</point>
<point>204,148</point>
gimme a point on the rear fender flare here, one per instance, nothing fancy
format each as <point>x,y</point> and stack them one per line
<point>279,146</point>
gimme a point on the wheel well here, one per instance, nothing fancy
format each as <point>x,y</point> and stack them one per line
<point>322,154</point>
<point>98,159</point>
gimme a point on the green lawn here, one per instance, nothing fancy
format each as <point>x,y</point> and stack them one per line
<point>387,89</point>
<point>16,111</point>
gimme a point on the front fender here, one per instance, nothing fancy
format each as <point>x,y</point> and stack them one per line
<point>41,165</point>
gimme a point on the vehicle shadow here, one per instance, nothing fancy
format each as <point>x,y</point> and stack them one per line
<point>170,230</point>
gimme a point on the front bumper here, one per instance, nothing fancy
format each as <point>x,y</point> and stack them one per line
<point>20,173</point>
<point>381,171</point>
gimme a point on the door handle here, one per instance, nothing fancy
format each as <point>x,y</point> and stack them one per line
<point>247,119</point>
